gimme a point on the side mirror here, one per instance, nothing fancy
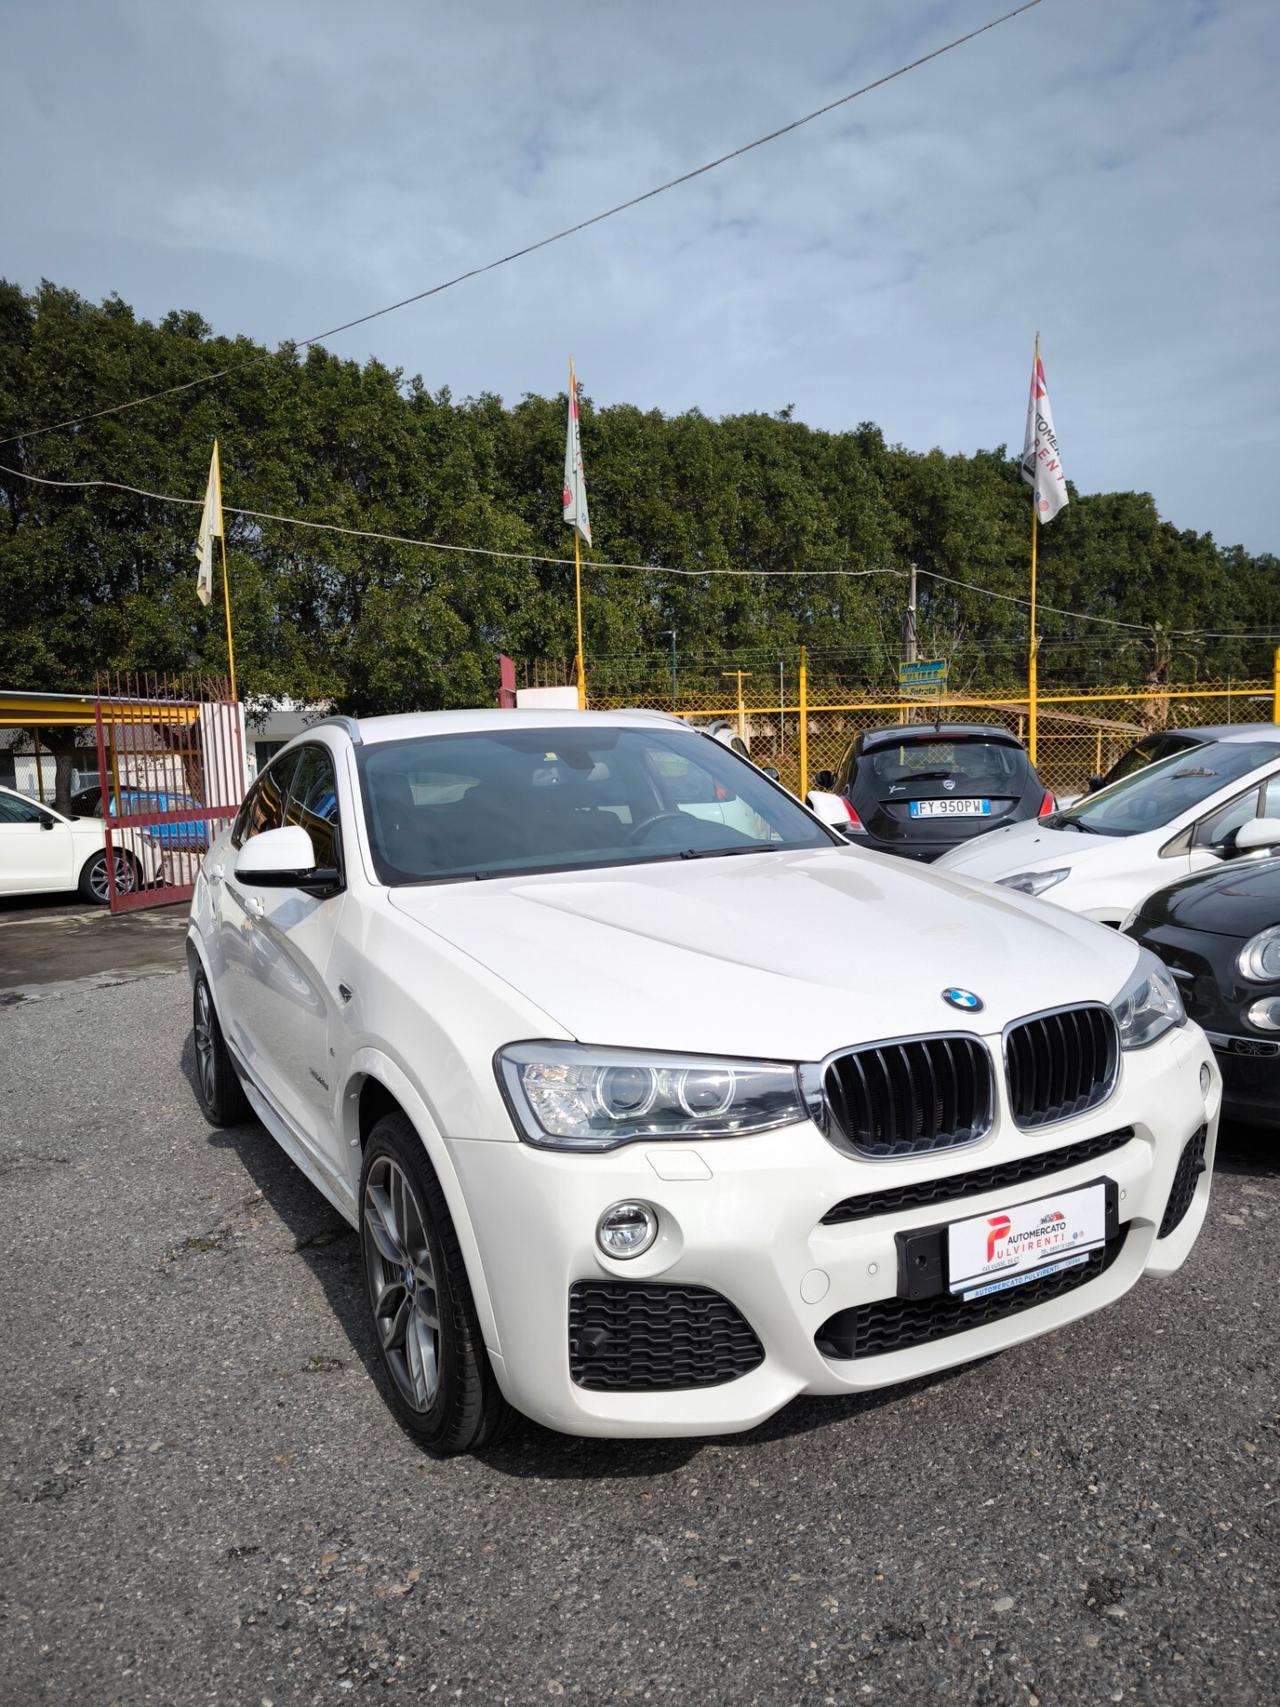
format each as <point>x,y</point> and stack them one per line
<point>830,808</point>
<point>1095,783</point>
<point>1257,833</point>
<point>824,780</point>
<point>772,772</point>
<point>283,859</point>
<point>46,822</point>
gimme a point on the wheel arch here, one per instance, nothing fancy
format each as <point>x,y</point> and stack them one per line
<point>378,1086</point>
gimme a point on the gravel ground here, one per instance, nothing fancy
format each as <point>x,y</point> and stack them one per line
<point>205,1500</point>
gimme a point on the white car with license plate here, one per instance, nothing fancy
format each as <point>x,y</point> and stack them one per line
<point>650,1120</point>
<point>42,852</point>
<point>1104,855</point>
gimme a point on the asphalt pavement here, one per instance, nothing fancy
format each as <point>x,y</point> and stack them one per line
<point>205,1499</point>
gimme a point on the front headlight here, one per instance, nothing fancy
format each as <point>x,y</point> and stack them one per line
<point>1149,1005</point>
<point>1034,882</point>
<point>570,1096</point>
<point>1260,957</point>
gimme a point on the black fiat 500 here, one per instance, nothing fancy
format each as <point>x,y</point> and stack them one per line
<point>920,789</point>
<point>1219,934</point>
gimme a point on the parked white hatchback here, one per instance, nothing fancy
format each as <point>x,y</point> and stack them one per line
<point>1105,854</point>
<point>652,1119</point>
<point>44,853</point>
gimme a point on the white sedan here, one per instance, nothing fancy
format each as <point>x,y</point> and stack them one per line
<point>43,852</point>
<point>1103,856</point>
<point>651,1119</point>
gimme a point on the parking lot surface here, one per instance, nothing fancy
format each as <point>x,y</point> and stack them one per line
<point>206,1500</point>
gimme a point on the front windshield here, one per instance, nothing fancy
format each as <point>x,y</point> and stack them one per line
<point>497,803</point>
<point>1154,796</point>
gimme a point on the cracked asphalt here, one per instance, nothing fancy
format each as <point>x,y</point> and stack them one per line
<point>204,1498</point>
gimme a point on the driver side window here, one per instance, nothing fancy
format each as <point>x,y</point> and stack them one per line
<point>313,803</point>
<point>263,808</point>
<point>1216,831</point>
<point>13,811</point>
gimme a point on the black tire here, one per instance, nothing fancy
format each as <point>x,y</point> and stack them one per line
<point>463,1408</point>
<point>93,876</point>
<point>218,1088</point>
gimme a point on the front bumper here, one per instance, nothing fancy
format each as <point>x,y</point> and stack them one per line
<point>744,1218</point>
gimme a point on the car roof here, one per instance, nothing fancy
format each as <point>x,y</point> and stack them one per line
<point>1234,731</point>
<point>870,739</point>
<point>401,726</point>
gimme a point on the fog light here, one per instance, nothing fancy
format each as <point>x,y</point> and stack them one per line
<point>627,1229</point>
<point>1265,1014</point>
<point>1206,1078</point>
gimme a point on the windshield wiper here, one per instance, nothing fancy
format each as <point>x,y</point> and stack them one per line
<point>729,853</point>
<point>1060,821</point>
<point>928,776</point>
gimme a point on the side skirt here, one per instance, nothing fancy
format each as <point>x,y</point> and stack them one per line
<point>295,1147</point>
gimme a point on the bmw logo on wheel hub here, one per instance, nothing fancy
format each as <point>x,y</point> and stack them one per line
<point>965,1000</point>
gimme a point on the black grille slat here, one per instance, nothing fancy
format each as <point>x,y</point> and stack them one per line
<point>1016,1172</point>
<point>1191,1164</point>
<point>885,1099</point>
<point>1060,1064</point>
<point>899,1324</point>
<point>631,1336</point>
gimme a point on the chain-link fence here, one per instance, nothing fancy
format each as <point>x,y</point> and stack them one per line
<point>803,728</point>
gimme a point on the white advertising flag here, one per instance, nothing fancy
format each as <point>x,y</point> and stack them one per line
<point>1041,464</point>
<point>210,529</point>
<point>575,484</point>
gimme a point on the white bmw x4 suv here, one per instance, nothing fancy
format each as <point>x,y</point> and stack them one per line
<point>655,1103</point>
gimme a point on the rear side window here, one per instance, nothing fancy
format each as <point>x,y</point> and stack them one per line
<point>1147,752</point>
<point>263,807</point>
<point>313,803</point>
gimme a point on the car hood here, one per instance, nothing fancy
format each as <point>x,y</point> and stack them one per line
<point>1238,901</point>
<point>1029,846</point>
<point>786,955</point>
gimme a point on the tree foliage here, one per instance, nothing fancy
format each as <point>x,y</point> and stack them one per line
<point>104,579</point>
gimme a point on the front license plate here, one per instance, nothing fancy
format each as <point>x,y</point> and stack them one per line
<point>989,1253</point>
<point>951,808</point>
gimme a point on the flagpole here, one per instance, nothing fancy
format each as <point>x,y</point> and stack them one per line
<point>226,586</point>
<point>577,578</point>
<point>1032,684</point>
<point>577,567</point>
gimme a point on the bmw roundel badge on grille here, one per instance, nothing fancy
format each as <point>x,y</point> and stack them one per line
<point>965,1000</point>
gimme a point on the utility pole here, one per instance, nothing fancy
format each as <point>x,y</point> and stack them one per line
<point>742,710</point>
<point>910,642</point>
<point>664,633</point>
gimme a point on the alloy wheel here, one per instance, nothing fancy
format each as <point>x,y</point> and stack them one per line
<point>124,875</point>
<point>203,1029</point>
<point>402,1283</point>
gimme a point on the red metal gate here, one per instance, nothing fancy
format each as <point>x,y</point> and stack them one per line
<point>171,771</point>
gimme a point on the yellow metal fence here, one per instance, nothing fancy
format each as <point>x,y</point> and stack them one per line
<point>1081,733</point>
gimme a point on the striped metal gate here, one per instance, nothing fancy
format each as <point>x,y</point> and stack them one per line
<point>171,773</point>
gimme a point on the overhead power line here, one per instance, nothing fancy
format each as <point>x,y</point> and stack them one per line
<point>541,243</point>
<point>435,544</point>
<point>600,563</point>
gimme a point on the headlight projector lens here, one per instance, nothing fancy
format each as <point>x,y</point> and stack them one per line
<point>627,1229</point>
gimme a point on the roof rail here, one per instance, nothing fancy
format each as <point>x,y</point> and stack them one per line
<point>348,725</point>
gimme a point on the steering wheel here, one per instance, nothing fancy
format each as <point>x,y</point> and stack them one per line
<point>647,824</point>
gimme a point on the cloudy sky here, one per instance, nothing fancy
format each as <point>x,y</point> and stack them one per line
<point>1108,173</point>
